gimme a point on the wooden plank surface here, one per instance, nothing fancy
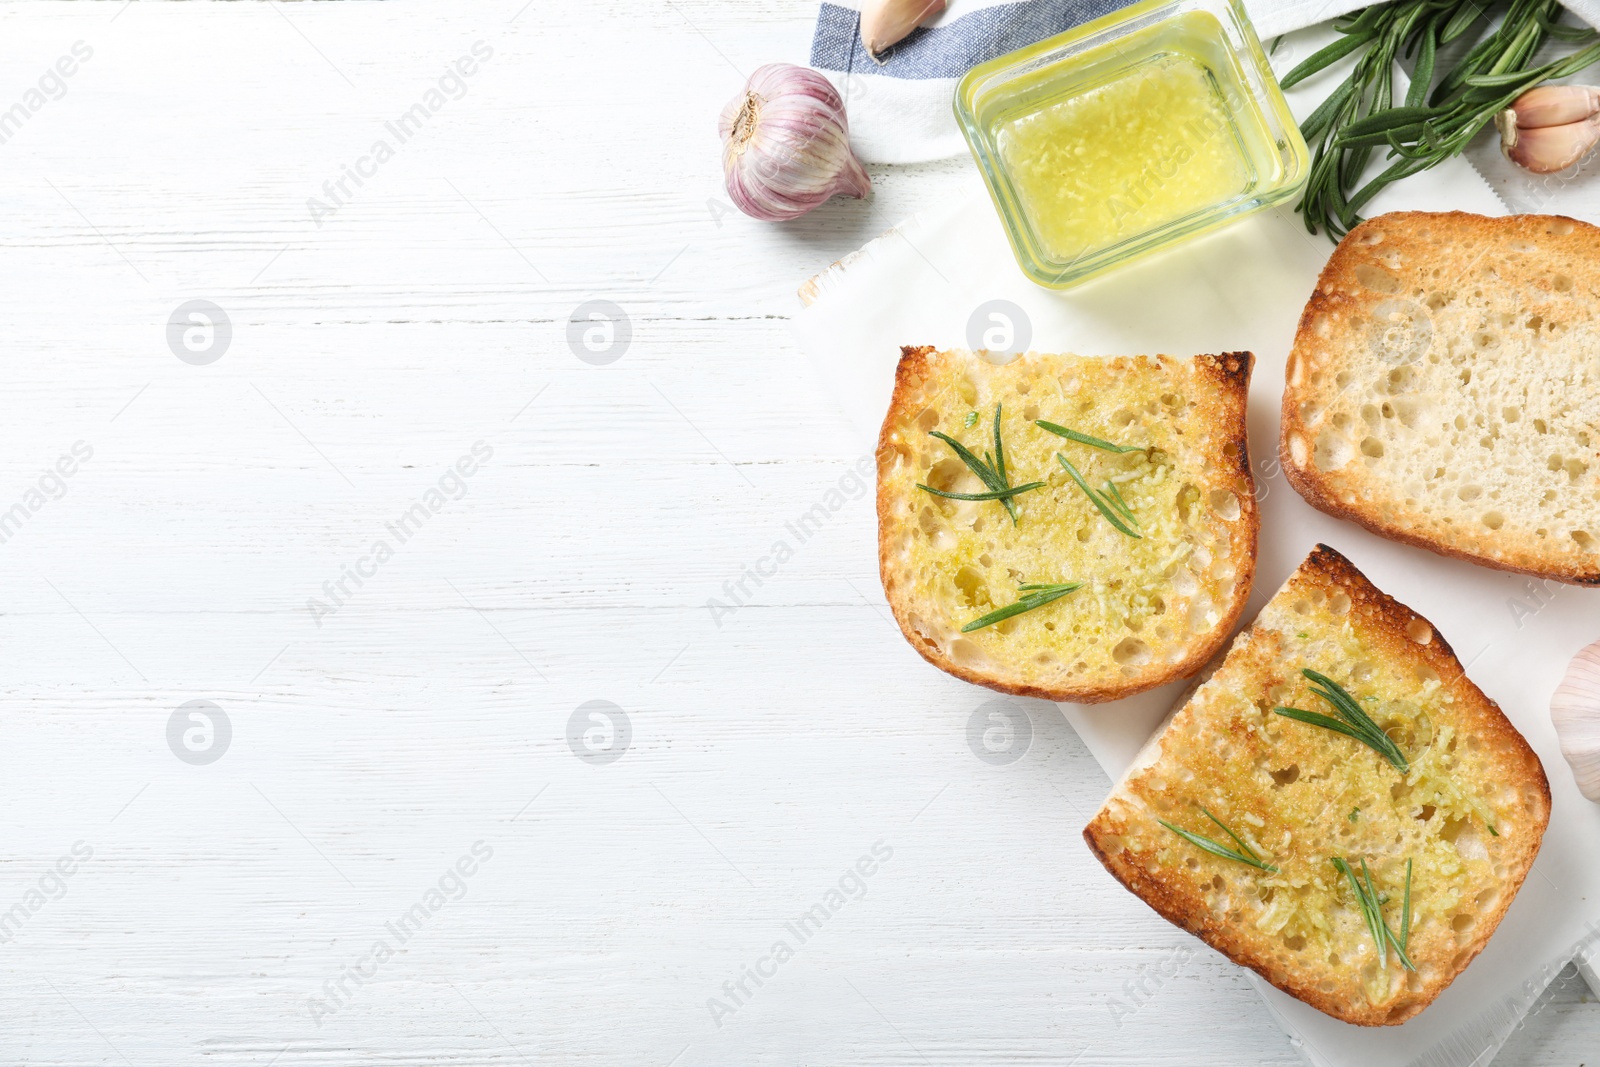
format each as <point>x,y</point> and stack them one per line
<point>392,735</point>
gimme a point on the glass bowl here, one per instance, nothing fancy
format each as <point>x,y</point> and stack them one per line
<point>1129,134</point>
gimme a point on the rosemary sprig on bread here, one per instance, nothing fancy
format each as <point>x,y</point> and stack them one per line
<point>991,471</point>
<point>1085,439</point>
<point>1036,595</point>
<point>1117,512</point>
<point>1352,721</point>
<point>1244,854</point>
<point>1371,905</point>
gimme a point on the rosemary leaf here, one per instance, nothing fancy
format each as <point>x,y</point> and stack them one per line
<point>1575,34</point>
<point>999,462</point>
<point>1236,838</point>
<point>1398,139</point>
<point>1423,74</point>
<point>1393,118</point>
<point>1115,496</point>
<point>1460,22</point>
<point>1085,439</point>
<point>999,449</point>
<point>1038,595</point>
<point>1365,19</point>
<point>998,494</point>
<point>1320,119</point>
<point>1327,722</point>
<point>1324,57</point>
<point>1494,81</point>
<point>1208,845</point>
<point>1094,498</point>
<point>1346,705</point>
<point>1405,916</point>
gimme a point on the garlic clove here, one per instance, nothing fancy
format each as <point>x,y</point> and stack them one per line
<point>885,23</point>
<point>1547,149</point>
<point>1554,105</point>
<point>786,144</point>
<point>1575,711</point>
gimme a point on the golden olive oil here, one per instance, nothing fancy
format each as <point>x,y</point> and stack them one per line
<point>1161,128</point>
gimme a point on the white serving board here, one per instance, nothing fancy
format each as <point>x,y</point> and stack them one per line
<point>1244,288</point>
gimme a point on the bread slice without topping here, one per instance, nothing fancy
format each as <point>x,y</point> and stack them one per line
<point>1444,389</point>
<point>1468,814</point>
<point>1151,608</point>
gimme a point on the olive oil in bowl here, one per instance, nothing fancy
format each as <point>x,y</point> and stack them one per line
<point>1131,133</point>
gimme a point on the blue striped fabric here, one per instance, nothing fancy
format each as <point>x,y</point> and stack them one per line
<point>949,51</point>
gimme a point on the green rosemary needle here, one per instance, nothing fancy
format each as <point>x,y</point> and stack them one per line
<point>1114,496</point>
<point>1245,854</point>
<point>1085,439</point>
<point>1405,918</point>
<point>1035,595</point>
<point>998,494</point>
<point>1352,721</point>
<point>1102,503</point>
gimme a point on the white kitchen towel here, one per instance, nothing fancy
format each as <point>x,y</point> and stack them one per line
<point>899,106</point>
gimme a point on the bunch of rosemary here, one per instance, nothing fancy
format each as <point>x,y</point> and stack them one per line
<point>1425,128</point>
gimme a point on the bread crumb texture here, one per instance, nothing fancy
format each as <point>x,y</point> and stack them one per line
<point>1152,608</point>
<point>1469,814</point>
<point>1444,389</point>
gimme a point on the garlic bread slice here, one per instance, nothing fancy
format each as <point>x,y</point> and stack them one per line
<point>1332,836</point>
<point>1126,479</point>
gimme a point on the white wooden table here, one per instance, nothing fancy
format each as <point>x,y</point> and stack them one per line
<point>231,911</point>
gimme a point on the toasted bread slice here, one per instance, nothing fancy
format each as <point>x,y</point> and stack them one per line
<point>1444,389</point>
<point>1152,608</point>
<point>1469,813</point>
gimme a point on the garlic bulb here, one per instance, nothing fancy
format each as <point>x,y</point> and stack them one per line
<point>885,23</point>
<point>1575,710</point>
<point>1550,127</point>
<point>786,144</point>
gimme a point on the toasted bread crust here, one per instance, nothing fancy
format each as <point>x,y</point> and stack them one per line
<point>1389,628</point>
<point>1338,293</point>
<point>1230,372</point>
